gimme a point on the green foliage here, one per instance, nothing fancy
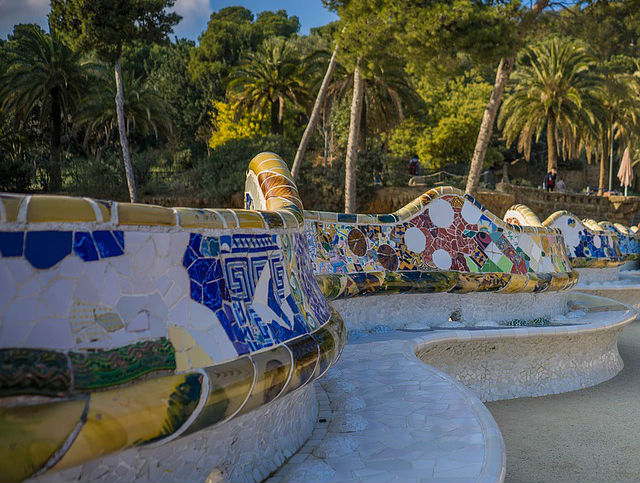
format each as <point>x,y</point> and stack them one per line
<point>221,175</point>
<point>276,24</point>
<point>145,112</point>
<point>45,75</point>
<point>231,33</point>
<point>453,114</point>
<point>228,126</point>
<point>268,79</point>
<point>107,26</point>
<point>555,87</point>
<point>186,103</point>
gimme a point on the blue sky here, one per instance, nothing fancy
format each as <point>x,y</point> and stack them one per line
<point>195,13</point>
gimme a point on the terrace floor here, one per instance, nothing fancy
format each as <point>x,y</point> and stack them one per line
<point>386,416</point>
<point>590,435</point>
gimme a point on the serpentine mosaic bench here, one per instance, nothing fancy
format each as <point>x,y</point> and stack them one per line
<point>597,250</point>
<point>172,332</point>
<point>443,257</point>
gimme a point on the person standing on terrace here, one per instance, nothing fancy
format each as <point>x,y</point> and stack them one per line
<point>549,183</point>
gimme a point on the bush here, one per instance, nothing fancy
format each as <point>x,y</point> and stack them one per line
<point>221,174</point>
<point>15,176</point>
<point>96,178</point>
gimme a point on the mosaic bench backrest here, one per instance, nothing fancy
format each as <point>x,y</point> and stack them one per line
<point>628,241</point>
<point>125,324</point>
<point>587,244</point>
<point>444,241</point>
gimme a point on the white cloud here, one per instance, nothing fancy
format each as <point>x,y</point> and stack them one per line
<point>195,15</point>
<point>13,12</point>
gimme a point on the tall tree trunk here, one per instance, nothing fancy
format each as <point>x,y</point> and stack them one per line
<point>274,117</point>
<point>352,145</point>
<point>124,141</point>
<point>489,116</point>
<point>603,168</point>
<point>552,149</point>
<point>315,113</point>
<point>55,178</point>
<point>280,115</point>
<point>611,154</point>
<point>486,128</point>
<point>325,135</point>
<point>363,124</point>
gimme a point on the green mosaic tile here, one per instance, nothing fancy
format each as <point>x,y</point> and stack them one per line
<point>93,370</point>
<point>33,372</point>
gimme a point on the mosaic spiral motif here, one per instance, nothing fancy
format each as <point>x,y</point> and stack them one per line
<point>147,323</point>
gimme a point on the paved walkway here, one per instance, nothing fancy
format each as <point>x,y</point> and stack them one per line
<point>590,435</point>
<point>386,416</point>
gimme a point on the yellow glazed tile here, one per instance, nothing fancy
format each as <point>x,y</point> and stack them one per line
<point>139,214</point>
<point>229,218</point>
<point>30,435</point>
<point>199,218</point>
<point>176,337</point>
<point>43,208</point>
<point>199,358</point>
<point>229,386</point>
<point>124,417</point>
<point>250,219</point>
<point>182,362</point>
<point>272,369</point>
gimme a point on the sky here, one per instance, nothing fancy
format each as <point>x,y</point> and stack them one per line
<point>195,13</point>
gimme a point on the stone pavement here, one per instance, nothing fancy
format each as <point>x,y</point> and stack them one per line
<point>386,416</point>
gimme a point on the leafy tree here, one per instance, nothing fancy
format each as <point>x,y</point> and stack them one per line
<point>187,103</point>
<point>227,125</point>
<point>231,34</point>
<point>555,89</point>
<point>266,80</point>
<point>620,114</point>
<point>107,27</point>
<point>318,107</point>
<point>276,24</point>
<point>145,112</point>
<point>43,74</point>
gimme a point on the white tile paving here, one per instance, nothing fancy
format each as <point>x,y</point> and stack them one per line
<point>385,416</point>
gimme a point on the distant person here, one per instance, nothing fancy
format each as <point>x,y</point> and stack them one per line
<point>560,186</point>
<point>414,165</point>
<point>377,178</point>
<point>549,183</point>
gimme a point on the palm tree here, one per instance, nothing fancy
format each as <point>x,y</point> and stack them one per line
<point>145,112</point>
<point>318,108</point>
<point>618,118</point>
<point>555,88</point>
<point>45,75</point>
<point>267,79</point>
<point>379,95</point>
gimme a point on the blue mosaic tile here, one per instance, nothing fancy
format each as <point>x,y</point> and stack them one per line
<point>44,249</point>
<point>248,202</point>
<point>119,236</point>
<point>107,244</point>
<point>196,291</point>
<point>11,243</point>
<point>227,275</point>
<point>84,247</point>
<point>348,217</point>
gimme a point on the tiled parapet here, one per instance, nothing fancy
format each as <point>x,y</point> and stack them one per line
<point>124,324</point>
<point>628,241</point>
<point>587,243</point>
<point>444,241</point>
